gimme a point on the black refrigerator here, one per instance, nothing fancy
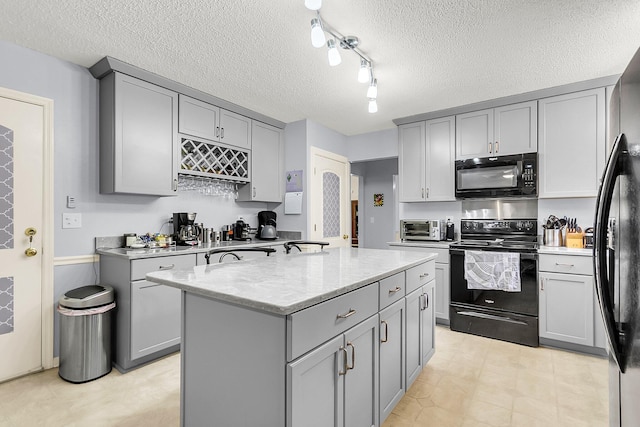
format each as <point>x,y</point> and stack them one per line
<point>617,249</point>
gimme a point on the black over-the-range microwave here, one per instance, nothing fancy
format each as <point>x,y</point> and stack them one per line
<point>500,176</point>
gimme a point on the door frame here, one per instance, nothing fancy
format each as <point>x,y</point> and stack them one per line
<point>46,285</point>
<point>313,152</point>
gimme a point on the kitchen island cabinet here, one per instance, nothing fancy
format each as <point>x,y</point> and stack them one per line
<point>443,273</point>
<point>284,337</point>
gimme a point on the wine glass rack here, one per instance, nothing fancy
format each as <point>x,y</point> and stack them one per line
<point>208,159</point>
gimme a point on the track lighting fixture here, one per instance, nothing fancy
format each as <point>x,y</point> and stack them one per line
<point>372,91</point>
<point>313,4</point>
<point>373,106</point>
<point>364,74</point>
<point>317,35</point>
<point>318,39</point>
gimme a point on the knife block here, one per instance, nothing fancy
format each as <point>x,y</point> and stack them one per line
<point>575,240</point>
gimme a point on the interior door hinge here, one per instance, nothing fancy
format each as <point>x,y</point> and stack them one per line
<point>315,227</point>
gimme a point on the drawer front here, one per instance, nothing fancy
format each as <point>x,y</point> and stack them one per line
<point>312,326</point>
<point>391,289</point>
<point>140,267</point>
<point>420,275</point>
<point>574,264</point>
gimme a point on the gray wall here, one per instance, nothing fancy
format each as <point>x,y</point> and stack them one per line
<point>75,95</point>
<point>377,223</point>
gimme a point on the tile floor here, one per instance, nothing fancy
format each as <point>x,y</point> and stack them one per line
<point>470,381</point>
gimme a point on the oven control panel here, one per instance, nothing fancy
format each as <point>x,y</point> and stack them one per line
<point>490,226</point>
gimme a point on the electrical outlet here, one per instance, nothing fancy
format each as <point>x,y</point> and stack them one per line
<point>71,220</point>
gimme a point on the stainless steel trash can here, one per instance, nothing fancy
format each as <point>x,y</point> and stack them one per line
<point>85,333</point>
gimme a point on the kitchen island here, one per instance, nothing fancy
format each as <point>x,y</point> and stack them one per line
<point>273,341</point>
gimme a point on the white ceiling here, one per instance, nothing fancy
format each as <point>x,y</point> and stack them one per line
<point>428,54</point>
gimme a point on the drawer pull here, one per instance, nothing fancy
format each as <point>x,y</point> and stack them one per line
<point>386,331</point>
<point>344,361</point>
<point>349,314</point>
<point>166,267</point>
<point>353,356</point>
<point>423,275</point>
<point>396,289</point>
<point>564,265</point>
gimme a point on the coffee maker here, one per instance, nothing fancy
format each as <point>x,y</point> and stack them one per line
<point>267,225</point>
<point>185,231</point>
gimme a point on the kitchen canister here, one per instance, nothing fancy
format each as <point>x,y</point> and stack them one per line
<point>206,235</point>
<point>129,239</point>
<point>553,237</point>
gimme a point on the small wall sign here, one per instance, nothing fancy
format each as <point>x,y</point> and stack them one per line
<point>378,199</point>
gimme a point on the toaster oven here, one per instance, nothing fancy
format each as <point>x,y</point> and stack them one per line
<point>429,229</point>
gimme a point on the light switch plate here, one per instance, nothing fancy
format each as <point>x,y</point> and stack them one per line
<point>71,220</point>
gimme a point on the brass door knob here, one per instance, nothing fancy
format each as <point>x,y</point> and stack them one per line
<point>31,252</point>
<point>345,236</point>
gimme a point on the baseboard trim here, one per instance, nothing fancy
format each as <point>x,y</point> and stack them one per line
<point>56,362</point>
<point>73,260</point>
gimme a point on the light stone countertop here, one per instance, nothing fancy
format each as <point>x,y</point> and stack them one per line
<point>562,250</point>
<point>131,253</point>
<point>284,284</point>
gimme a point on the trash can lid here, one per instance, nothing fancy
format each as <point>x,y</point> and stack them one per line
<point>88,296</point>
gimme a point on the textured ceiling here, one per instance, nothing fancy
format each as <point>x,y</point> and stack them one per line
<point>428,54</point>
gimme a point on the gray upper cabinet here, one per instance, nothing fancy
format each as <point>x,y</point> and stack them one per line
<point>235,129</point>
<point>572,144</point>
<point>511,129</point>
<point>138,125</point>
<point>198,118</point>
<point>426,160</point>
<point>204,120</point>
<point>267,169</point>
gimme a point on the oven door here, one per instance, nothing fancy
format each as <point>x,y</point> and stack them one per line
<point>524,302</point>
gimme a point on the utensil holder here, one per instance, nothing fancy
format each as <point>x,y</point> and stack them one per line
<point>553,237</point>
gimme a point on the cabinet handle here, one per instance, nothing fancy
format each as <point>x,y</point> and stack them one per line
<point>564,265</point>
<point>254,191</point>
<point>349,314</point>
<point>396,289</point>
<point>175,185</point>
<point>490,147</point>
<point>344,361</point>
<point>497,147</point>
<point>426,301</point>
<point>353,356</point>
<point>542,284</point>
<point>217,131</point>
<point>221,133</point>
<point>423,193</point>
<point>427,192</point>
<point>423,275</point>
<point>166,267</point>
<point>386,331</point>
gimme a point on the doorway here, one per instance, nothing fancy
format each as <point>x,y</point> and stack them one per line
<point>26,229</point>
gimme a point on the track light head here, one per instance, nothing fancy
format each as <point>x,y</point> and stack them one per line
<point>313,4</point>
<point>317,33</point>
<point>333,54</point>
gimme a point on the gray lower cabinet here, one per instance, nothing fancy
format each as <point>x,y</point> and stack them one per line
<point>155,318</point>
<point>321,366</point>
<point>138,137</point>
<point>319,394</point>
<point>420,315</point>
<point>148,315</point>
<point>569,312</point>
<point>392,361</point>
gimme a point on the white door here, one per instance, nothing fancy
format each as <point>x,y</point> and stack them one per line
<point>330,197</point>
<point>24,125</point>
